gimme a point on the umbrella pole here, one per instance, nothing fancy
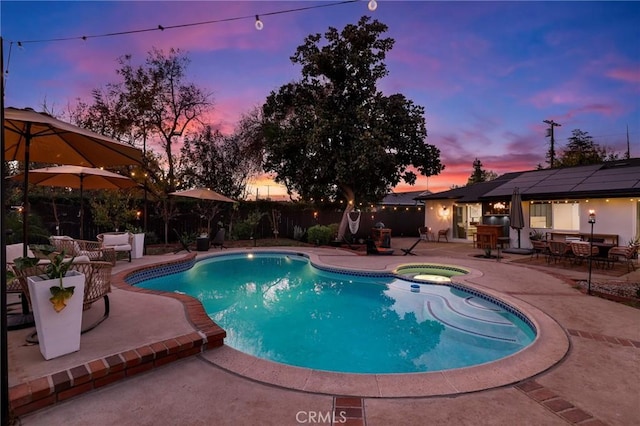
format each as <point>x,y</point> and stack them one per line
<point>81,209</point>
<point>4,364</point>
<point>25,192</point>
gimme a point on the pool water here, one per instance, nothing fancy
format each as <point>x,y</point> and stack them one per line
<point>281,308</point>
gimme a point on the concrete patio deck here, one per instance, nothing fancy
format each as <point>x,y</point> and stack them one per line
<point>597,381</point>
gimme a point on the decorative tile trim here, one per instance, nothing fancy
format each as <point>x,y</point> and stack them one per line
<point>56,387</point>
<point>556,404</point>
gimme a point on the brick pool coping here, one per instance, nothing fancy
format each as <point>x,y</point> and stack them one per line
<point>41,392</point>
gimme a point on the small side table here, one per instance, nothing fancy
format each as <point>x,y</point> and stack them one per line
<point>202,244</point>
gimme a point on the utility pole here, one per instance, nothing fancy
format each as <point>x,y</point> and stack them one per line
<point>552,152</point>
<point>628,148</point>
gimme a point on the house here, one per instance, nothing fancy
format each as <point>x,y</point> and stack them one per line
<point>554,201</point>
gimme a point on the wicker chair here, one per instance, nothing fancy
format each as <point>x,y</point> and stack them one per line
<point>443,233</point>
<point>558,250</point>
<point>92,249</point>
<point>622,254</point>
<point>539,247</point>
<point>97,285</point>
<point>583,251</point>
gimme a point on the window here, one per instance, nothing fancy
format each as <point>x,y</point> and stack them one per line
<point>540,215</point>
<point>563,215</point>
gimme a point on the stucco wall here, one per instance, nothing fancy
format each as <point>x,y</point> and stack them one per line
<point>615,216</point>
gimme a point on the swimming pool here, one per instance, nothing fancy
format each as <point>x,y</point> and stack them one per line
<point>280,307</point>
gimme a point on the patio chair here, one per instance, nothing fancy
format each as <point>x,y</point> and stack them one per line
<point>120,242</point>
<point>425,233</point>
<point>74,248</point>
<point>558,250</point>
<point>539,247</point>
<point>583,251</point>
<point>622,254</point>
<point>218,240</point>
<point>443,233</point>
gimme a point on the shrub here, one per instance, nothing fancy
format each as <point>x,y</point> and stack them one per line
<point>320,234</point>
<point>242,231</point>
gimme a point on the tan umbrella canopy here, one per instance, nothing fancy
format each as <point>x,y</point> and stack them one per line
<point>208,195</point>
<point>78,177</point>
<point>203,194</point>
<point>32,136</point>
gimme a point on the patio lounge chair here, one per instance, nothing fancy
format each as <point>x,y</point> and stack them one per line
<point>410,249</point>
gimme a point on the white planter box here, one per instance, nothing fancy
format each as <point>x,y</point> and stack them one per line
<point>137,250</point>
<point>58,332</point>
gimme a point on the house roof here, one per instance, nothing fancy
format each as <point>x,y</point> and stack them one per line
<point>403,198</point>
<point>620,178</point>
<point>471,193</point>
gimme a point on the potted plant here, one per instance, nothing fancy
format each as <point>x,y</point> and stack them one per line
<point>56,298</point>
<point>536,235</point>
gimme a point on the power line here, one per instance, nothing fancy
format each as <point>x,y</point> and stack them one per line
<point>187,25</point>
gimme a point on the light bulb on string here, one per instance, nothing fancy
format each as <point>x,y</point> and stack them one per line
<point>259,24</point>
<point>373,5</point>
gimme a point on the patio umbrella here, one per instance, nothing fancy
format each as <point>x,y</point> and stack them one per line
<point>516,218</point>
<point>32,136</point>
<point>78,177</point>
<point>205,194</point>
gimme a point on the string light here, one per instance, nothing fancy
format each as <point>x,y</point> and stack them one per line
<point>259,24</point>
<point>373,5</point>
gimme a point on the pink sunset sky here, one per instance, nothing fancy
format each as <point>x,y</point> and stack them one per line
<point>487,73</point>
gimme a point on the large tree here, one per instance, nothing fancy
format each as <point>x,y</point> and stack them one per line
<point>479,174</point>
<point>333,134</point>
<point>216,161</point>
<point>582,150</point>
<point>152,104</point>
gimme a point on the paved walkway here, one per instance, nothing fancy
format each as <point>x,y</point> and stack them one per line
<point>596,382</point>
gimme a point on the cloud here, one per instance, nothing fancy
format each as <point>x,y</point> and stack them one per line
<point>627,75</point>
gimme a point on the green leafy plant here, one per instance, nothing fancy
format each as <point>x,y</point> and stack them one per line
<point>298,232</point>
<point>320,235</point>
<point>56,269</point>
<point>536,235</point>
